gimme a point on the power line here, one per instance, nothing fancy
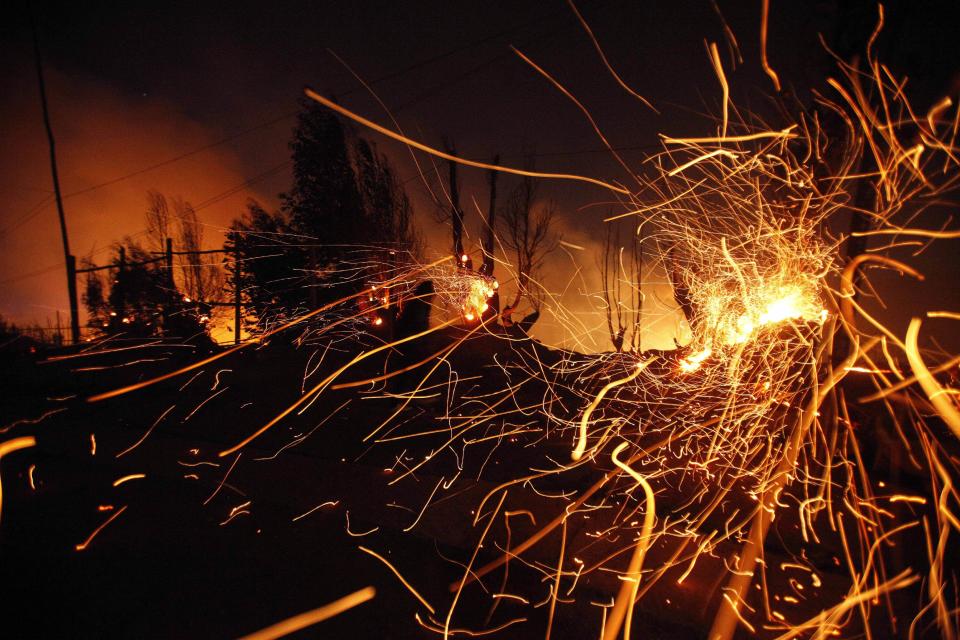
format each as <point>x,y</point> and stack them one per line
<point>36,210</point>
<point>273,170</point>
<point>32,213</point>
<point>29,215</point>
<point>32,274</point>
<point>203,205</point>
<point>236,189</point>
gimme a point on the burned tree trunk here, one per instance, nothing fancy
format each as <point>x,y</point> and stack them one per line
<point>488,240</point>
<point>488,248</point>
<point>456,212</point>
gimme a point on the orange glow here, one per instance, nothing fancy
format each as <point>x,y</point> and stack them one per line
<point>693,361</point>
<point>478,291</point>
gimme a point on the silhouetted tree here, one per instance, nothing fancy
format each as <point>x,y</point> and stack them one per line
<point>200,277</point>
<point>621,271</point>
<point>323,204</point>
<point>133,297</point>
<point>139,296</point>
<point>527,236</point>
<point>345,212</point>
<point>386,208</point>
<point>487,244</point>
<point>268,261</point>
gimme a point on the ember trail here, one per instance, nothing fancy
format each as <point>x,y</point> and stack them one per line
<point>371,409</point>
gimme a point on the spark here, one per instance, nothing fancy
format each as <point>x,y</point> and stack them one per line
<point>764,19</point>
<point>935,392</point>
<point>403,580</point>
<point>86,543</point>
<point>127,478</point>
<point>313,95</point>
<point>328,503</point>
<point>315,616</point>
<point>9,446</point>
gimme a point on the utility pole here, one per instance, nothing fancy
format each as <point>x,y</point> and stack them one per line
<point>236,291</point>
<point>70,261</point>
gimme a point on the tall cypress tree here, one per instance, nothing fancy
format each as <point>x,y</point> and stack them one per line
<point>323,204</point>
<point>344,223</point>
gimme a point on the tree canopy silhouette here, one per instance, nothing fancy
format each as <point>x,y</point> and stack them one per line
<point>344,223</point>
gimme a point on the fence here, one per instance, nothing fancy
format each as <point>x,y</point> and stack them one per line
<point>167,258</point>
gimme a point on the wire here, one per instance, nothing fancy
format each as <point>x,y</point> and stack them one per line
<point>29,215</point>
<point>32,274</point>
<point>33,212</point>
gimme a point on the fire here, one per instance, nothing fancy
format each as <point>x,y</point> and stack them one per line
<point>740,223</point>
<point>738,293</point>
<point>772,306</point>
<point>693,362</point>
<point>477,297</point>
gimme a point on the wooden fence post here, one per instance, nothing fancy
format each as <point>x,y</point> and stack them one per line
<point>72,293</point>
<point>168,259</point>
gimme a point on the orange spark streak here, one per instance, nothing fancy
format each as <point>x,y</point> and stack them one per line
<point>764,15</point>
<point>446,156</point>
<point>718,68</point>
<point>786,134</point>
<point>400,577</point>
<point>622,612</point>
<point>309,618</point>
<point>583,109</point>
<point>906,382</point>
<point>938,397</point>
<point>83,545</point>
<point>466,574</point>
<point>328,503</point>
<point>325,382</point>
<point>9,446</point>
<point>706,156</point>
<point>606,63</point>
<point>952,315</point>
<point>132,476</point>
<point>556,585</point>
<point>922,233</point>
<point>394,373</point>
<point>581,447</point>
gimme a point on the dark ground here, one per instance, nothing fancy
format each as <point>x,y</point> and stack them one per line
<point>174,565</point>
<point>168,568</point>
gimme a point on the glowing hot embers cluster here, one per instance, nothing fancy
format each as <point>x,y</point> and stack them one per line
<point>477,301</point>
<point>734,315</point>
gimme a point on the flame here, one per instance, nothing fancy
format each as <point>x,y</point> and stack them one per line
<point>479,291</point>
<point>693,362</point>
<point>774,306</point>
<point>736,309</point>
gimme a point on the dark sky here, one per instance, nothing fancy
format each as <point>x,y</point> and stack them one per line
<point>208,90</point>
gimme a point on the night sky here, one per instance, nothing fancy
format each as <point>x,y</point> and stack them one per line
<point>199,102</point>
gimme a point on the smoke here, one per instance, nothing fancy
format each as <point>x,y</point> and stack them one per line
<point>102,134</point>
